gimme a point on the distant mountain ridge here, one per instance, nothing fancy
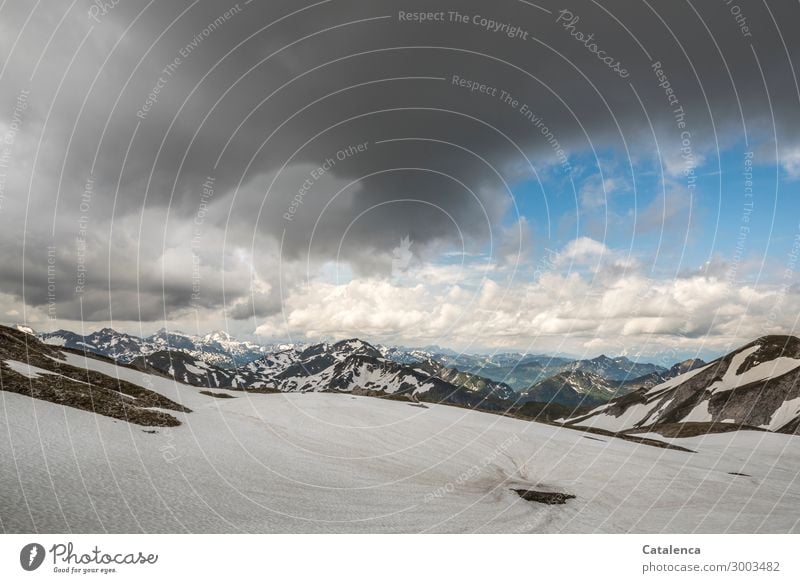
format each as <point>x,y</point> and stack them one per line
<point>217,348</point>
<point>574,388</point>
<point>521,371</point>
<point>580,388</point>
<point>655,378</point>
<point>619,368</point>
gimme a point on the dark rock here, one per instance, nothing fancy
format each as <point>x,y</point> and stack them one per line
<point>544,497</point>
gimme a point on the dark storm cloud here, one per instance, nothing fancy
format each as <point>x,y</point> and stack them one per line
<point>160,97</point>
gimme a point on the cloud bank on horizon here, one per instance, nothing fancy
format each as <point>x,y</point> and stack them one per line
<point>577,177</point>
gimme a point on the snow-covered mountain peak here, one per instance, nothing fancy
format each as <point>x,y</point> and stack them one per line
<point>218,336</point>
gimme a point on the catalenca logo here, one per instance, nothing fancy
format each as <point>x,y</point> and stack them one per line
<point>31,556</point>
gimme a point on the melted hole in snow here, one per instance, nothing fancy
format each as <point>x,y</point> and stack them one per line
<point>544,497</point>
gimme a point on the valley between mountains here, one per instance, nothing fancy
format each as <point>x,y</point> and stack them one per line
<point>174,433</point>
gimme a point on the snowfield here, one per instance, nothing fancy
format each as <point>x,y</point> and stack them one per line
<point>320,462</point>
<point>762,371</point>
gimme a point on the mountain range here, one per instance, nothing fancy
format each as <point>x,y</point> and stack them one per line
<point>504,372</point>
<point>217,360</point>
<point>755,386</point>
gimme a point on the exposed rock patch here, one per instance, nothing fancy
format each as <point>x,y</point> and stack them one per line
<point>544,497</point>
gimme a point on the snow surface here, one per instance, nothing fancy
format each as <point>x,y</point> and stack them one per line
<point>196,370</point>
<point>629,418</point>
<point>27,370</point>
<point>700,413</point>
<point>320,462</point>
<point>765,370</point>
<point>783,414</point>
<point>675,381</point>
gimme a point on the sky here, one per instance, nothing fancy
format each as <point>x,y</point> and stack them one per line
<point>584,178</point>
